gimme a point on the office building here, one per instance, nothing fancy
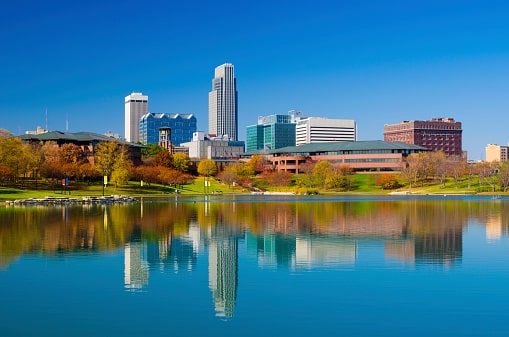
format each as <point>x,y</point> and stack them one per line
<point>136,105</point>
<point>322,130</point>
<point>203,147</point>
<point>271,132</point>
<point>438,134</point>
<point>223,115</point>
<point>182,127</point>
<point>495,152</point>
<point>363,156</point>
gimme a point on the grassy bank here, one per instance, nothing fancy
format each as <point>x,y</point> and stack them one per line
<point>362,184</point>
<point>133,189</point>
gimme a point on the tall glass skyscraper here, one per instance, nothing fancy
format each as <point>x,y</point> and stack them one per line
<point>223,114</point>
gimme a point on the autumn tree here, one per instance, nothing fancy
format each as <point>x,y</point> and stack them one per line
<point>279,178</point>
<point>181,162</point>
<point>503,176</point>
<point>111,156</point>
<point>229,175</point>
<point>71,158</point>
<point>164,159</point>
<point>147,174</point>
<point>207,168</point>
<point>457,168</point>
<point>306,175</point>
<point>257,163</point>
<point>13,155</point>
<point>387,181</point>
<point>51,166</point>
<point>321,170</point>
<point>487,174</point>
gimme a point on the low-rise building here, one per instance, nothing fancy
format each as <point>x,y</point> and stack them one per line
<point>203,147</point>
<point>86,140</point>
<point>360,155</point>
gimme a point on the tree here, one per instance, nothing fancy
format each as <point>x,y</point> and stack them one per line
<point>163,158</point>
<point>6,174</point>
<point>71,158</point>
<point>387,181</point>
<point>13,155</point>
<point>148,174</point>
<point>257,163</point>
<point>279,178</point>
<point>438,164</point>
<point>5,134</point>
<point>111,156</point>
<point>321,170</point>
<point>503,176</point>
<point>306,176</point>
<point>487,174</point>
<point>181,162</point>
<point>457,168</point>
<point>207,167</point>
<point>229,176</point>
<point>151,150</point>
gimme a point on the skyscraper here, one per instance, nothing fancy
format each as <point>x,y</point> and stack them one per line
<point>136,105</point>
<point>223,103</point>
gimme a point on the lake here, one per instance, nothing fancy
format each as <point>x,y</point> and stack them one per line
<point>257,266</point>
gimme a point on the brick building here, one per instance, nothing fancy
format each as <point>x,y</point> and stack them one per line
<point>438,134</point>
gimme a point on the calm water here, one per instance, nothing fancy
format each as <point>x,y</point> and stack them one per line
<point>257,266</point>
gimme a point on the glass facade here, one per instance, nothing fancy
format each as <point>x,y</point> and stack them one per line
<point>182,127</point>
<point>271,132</point>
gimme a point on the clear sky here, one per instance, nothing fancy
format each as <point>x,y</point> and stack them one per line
<point>377,62</point>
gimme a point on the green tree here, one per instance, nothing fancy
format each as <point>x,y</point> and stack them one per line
<point>151,150</point>
<point>181,162</point>
<point>321,170</point>
<point>110,156</point>
<point>207,167</point>
<point>13,155</point>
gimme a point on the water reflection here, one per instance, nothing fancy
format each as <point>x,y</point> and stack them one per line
<point>303,235</point>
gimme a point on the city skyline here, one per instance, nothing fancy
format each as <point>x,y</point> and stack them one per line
<point>372,62</point>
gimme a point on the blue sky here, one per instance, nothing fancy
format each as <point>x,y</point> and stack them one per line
<point>377,62</point>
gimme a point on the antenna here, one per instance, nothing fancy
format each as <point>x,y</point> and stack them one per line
<point>46,118</point>
<point>66,122</point>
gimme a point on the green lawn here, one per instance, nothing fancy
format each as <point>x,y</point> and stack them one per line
<point>362,184</point>
<point>133,189</point>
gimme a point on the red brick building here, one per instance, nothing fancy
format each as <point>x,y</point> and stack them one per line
<point>438,134</point>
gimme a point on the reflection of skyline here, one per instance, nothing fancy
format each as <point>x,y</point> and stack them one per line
<point>170,237</point>
<point>135,265</point>
<point>223,274</point>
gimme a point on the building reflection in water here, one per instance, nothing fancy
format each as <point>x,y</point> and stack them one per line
<point>135,266</point>
<point>223,268</point>
<point>289,235</point>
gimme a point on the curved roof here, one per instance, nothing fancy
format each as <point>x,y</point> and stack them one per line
<point>369,145</point>
<point>73,137</point>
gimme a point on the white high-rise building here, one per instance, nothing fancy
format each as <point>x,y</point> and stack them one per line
<point>223,114</point>
<point>136,105</point>
<point>321,130</point>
